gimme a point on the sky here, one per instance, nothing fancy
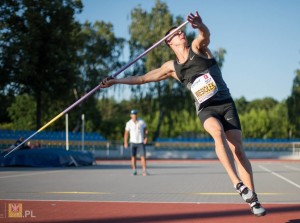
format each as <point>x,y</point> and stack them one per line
<point>261,37</point>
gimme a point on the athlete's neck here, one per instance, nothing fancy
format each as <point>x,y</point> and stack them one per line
<point>181,53</point>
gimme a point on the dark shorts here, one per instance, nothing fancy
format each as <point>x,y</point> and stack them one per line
<point>225,111</point>
<point>137,146</point>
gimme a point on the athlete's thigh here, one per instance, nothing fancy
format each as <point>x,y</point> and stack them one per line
<point>234,137</point>
<point>231,118</point>
<point>214,127</point>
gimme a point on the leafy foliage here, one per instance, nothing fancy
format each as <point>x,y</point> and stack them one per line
<point>22,111</point>
<point>38,42</point>
<point>48,60</point>
<point>47,54</point>
<point>293,104</point>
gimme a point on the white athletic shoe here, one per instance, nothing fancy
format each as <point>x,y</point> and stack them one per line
<point>251,198</point>
<point>257,209</point>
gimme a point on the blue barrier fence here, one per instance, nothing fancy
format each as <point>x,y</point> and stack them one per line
<point>54,139</point>
<point>209,139</point>
<point>208,144</point>
<point>50,135</point>
<point>95,141</point>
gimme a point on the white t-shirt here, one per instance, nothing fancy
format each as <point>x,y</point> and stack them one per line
<point>136,130</point>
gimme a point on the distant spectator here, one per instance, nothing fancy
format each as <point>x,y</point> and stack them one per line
<point>137,130</point>
<point>26,145</point>
<point>18,142</point>
<point>36,145</point>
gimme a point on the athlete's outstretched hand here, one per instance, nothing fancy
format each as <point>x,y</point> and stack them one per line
<point>195,20</point>
<point>107,82</point>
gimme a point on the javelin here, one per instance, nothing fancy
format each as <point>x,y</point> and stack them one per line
<point>97,87</point>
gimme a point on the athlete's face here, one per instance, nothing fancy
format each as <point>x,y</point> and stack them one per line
<point>177,36</point>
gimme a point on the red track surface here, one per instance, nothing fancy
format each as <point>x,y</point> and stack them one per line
<point>116,212</point>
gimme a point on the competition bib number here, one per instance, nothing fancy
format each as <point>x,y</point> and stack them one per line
<point>204,87</point>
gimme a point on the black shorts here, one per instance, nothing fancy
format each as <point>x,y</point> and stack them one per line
<point>225,111</point>
<point>137,146</point>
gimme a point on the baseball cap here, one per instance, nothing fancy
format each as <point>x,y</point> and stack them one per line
<point>133,111</point>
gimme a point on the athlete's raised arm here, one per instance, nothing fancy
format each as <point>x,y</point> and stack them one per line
<point>200,44</point>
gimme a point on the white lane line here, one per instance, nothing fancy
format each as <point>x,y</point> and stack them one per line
<point>30,174</point>
<point>292,168</point>
<point>279,176</point>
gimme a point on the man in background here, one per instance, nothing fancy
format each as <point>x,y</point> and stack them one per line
<point>137,130</point>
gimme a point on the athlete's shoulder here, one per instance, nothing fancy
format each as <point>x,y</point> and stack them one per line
<point>169,68</point>
<point>203,52</point>
<point>169,65</point>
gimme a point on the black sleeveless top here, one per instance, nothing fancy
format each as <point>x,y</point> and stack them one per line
<point>193,67</point>
<point>197,65</point>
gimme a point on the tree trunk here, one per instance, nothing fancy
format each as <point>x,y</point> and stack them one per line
<point>38,109</point>
<point>161,112</point>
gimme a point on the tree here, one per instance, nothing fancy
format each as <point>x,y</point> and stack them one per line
<point>22,111</point>
<point>5,101</point>
<point>99,53</point>
<point>279,121</point>
<point>220,56</point>
<point>255,124</point>
<point>263,118</point>
<point>48,55</point>
<point>241,105</point>
<point>262,104</point>
<point>38,49</point>
<point>293,104</point>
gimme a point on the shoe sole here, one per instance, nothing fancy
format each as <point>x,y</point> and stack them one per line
<point>261,214</point>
